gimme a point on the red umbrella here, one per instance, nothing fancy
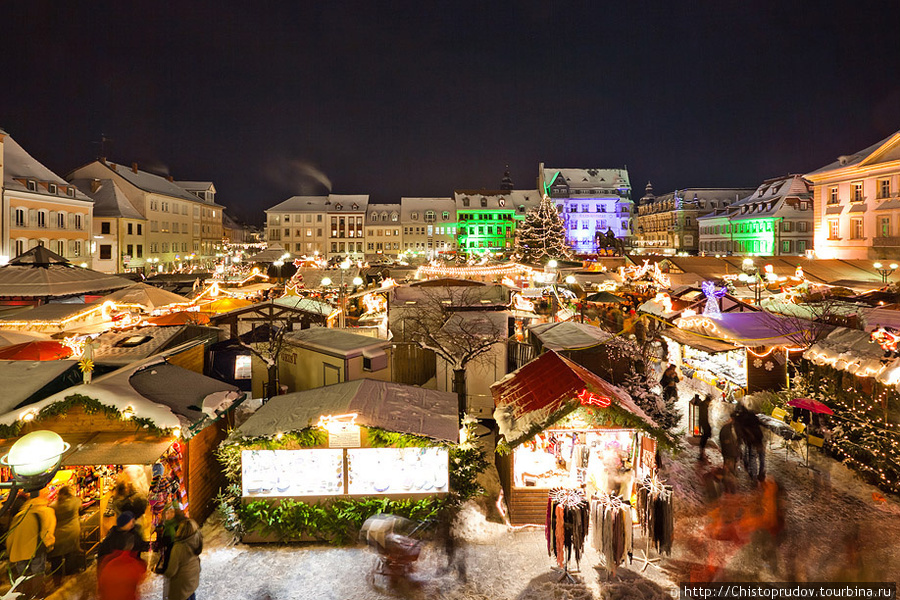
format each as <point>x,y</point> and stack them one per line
<point>811,405</point>
<point>36,350</point>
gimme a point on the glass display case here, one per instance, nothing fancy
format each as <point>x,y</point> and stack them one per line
<point>312,472</point>
<point>397,471</point>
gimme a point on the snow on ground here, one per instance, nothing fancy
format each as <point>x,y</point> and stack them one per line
<point>835,529</point>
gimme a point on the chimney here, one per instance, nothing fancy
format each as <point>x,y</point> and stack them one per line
<point>134,168</point>
<point>170,178</point>
<point>95,185</point>
<point>112,166</point>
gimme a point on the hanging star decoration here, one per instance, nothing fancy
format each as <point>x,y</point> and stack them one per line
<point>712,294</point>
<point>86,365</point>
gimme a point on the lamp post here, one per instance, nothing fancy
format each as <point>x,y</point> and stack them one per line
<point>885,271</point>
<point>33,461</point>
<point>751,278</point>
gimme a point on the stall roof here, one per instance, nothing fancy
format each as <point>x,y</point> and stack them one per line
<point>108,448</point>
<point>695,341</point>
<point>854,351</point>
<point>392,406</point>
<point>148,296</point>
<point>542,387</point>
<point>750,328</point>
<point>569,335</point>
<point>334,341</point>
<point>24,378</point>
<point>40,273</point>
<point>182,390</point>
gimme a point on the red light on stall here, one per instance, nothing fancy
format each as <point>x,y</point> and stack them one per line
<point>588,398</point>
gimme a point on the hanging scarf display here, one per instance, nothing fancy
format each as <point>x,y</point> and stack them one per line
<point>656,513</point>
<point>611,529</point>
<point>567,525</point>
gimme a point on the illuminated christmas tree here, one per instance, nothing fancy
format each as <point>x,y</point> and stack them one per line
<point>542,235</point>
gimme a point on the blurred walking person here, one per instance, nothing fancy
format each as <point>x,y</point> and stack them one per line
<point>64,558</point>
<point>121,574</point>
<point>30,538</point>
<point>731,450</point>
<point>183,571</point>
<point>702,408</point>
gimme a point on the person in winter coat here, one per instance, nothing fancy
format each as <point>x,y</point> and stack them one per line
<point>750,433</point>
<point>122,573</point>
<point>68,534</point>
<point>669,382</point>
<point>731,450</point>
<point>702,408</point>
<point>166,533</point>
<point>126,535</point>
<point>30,537</point>
<point>183,571</point>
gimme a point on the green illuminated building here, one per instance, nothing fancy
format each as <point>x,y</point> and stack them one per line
<point>486,219</point>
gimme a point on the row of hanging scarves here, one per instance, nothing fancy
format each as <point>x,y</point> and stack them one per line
<point>611,529</point>
<point>567,525</point>
<point>656,513</point>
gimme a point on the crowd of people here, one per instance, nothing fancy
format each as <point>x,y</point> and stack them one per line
<point>44,538</point>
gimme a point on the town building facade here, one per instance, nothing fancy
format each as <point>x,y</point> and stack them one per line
<point>487,218</point>
<point>857,204</point>
<point>331,226</point>
<point>382,235</point>
<point>592,203</point>
<point>776,219</point>
<point>208,221</point>
<point>41,208</point>
<point>429,226</point>
<point>667,224</point>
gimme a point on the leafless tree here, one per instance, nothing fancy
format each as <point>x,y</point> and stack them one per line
<point>460,324</point>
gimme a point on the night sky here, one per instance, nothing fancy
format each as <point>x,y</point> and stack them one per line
<point>269,99</point>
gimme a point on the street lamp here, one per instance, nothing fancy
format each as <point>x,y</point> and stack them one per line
<point>33,461</point>
<point>885,271</point>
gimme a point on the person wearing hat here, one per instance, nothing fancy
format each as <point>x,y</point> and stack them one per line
<point>126,535</point>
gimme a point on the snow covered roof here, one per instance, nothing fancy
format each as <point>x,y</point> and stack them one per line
<point>890,145</point>
<point>38,273</point>
<point>327,203</point>
<point>124,347</point>
<point>391,406</point>
<point>109,199</point>
<point>409,206</point>
<point>24,378</point>
<point>588,178</point>
<point>19,167</point>
<point>155,184</point>
<point>534,392</point>
<point>334,341</point>
<point>569,335</point>
<point>748,328</point>
<point>706,344</point>
<point>164,394</point>
<point>510,200</point>
<point>854,351</point>
<point>148,296</point>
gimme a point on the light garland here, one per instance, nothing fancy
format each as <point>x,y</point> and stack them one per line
<point>473,271</point>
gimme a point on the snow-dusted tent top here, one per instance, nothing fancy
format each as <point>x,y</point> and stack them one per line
<point>747,328</point>
<point>391,406</point>
<point>569,335</point>
<point>533,393</point>
<point>148,296</point>
<point>168,395</point>
<point>853,351</point>
<point>40,273</point>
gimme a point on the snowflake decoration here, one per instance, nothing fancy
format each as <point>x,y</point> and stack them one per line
<point>769,365</point>
<point>757,363</point>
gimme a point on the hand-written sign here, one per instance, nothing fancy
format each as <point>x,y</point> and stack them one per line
<point>589,398</point>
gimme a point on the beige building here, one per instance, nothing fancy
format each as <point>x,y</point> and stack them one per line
<point>856,202</point>
<point>331,226</point>
<point>118,228</point>
<point>169,238</point>
<point>318,356</point>
<point>382,231</point>
<point>429,226</point>
<point>41,208</point>
<point>208,219</point>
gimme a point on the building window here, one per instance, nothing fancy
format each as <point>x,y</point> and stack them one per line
<point>105,251</point>
<point>140,251</point>
<point>802,226</point>
<point>31,185</point>
<point>430,216</point>
<point>833,195</point>
<point>856,229</point>
<point>786,225</point>
<point>884,227</point>
<point>884,188</point>
<point>856,192</point>
<point>139,229</point>
<point>484,203</point>
<point>833,230</point>
<point>42,218</point>
<point>105,227</point>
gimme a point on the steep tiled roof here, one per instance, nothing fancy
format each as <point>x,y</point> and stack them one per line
<point>109,199</point>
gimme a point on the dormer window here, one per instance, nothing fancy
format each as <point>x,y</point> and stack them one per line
<point>484,202</point>
<point>521,208</point>
<point>31,185</point>
<point>338,207</point>
<point>430,216</point>
<point>502,201</point>
<point>355,206</point>
<point>51,187</point>
<point>70,191</point>
<point>465,202</point>
<point>394,217</point>
<point>445,215</point>
<point>414,216</point>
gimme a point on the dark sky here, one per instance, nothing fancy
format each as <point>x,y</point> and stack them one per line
<point>417,98</point>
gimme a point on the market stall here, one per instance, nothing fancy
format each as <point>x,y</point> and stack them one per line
<point>351,441</point>
<point>565,427</point>
<point>713,361</point>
